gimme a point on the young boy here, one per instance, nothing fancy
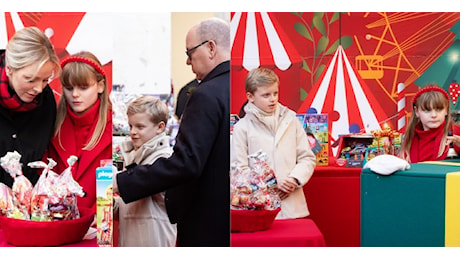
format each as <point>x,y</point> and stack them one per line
<point>145,222</point>
<point>274,129</point>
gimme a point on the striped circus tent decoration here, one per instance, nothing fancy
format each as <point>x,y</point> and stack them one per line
<point>341,90</point>
<point>258,40</point>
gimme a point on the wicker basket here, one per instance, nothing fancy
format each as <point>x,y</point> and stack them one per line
<point>20,232</point>
<point>252,220</point>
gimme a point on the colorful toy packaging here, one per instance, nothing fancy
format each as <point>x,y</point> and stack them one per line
<point>316,126</point>
<point>352,149</point>
<point>234,118</point>
<point>255,189</point>
<point>386,141</point>
<point>104,220</point>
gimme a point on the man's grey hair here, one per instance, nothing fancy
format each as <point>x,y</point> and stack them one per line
<point>217,30</point>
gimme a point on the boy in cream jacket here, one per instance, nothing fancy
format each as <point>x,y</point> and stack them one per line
<point>145,222</point>
<point>274,129</point>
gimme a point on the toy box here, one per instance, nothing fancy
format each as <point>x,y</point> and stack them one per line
<point>234,118</point>
<point>353,149</point>
<point>104,202</point>
<point>316,127</point>
<point>386,141</point>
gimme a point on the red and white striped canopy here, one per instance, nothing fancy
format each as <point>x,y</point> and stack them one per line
<point>257,40</point>
<point>9,24</point>
<point>340,89</point>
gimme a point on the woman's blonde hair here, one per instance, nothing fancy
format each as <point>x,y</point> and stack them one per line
<point>260,77</point>
<point>427,100</point>
<point>28,46</point>
<point>82,74</point>
<point>151,105</point>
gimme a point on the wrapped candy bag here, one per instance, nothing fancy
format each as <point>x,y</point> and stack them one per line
<point>240,189</point>
<point>256,189</point>
<point>39,200</point>
<point>22,187</point>
<point>264,177</point>
<point>73,189</point>
<point>6,200</point>
<point>54,195</point>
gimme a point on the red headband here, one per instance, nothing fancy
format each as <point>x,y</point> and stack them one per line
<point>430,88</point>
<point>84,60</point>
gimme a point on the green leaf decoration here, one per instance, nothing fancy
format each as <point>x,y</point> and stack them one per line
<point>322,44</point>
<point>334,17</point>
<point>319,71</point>
<point>333,48</point>
<point>303,94</point>
<point>305,66</point>
<point>318,23</point>
<point>346,41</point>
<point>302,30</point>
<point>297,14</point>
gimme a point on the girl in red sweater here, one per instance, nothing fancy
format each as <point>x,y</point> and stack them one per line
<point>426,137</point>
<point>83,122</point>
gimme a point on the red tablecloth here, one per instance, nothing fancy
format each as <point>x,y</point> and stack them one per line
<point>333,198</point>
<point>83,243</point>
<point>283,233</point>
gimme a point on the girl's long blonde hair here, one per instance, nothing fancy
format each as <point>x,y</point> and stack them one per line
<point>432,99</point>
<point>80,74</point>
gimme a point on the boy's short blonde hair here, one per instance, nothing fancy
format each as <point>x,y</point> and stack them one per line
<point>260,77</point>
<point>151,105</point>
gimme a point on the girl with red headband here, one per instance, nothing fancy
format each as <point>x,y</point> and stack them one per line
<point>27,104</point>
<point>83,122</point>
<point>426,137</point>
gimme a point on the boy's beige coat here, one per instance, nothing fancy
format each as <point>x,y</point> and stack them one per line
<point>287,149</point>
<point>145,222</point>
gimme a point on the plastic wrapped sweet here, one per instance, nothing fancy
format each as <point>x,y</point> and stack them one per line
<point>22,187</point>
<point>40,199</point>
<point>255,189</point>
<point>55,196</point>
<point>6,199</point>
<point>255,201</point>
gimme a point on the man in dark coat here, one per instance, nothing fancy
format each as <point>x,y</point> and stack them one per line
<point>196,177</point>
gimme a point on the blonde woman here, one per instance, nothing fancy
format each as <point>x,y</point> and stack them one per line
<point>27,104</point>
<point>83,122</point>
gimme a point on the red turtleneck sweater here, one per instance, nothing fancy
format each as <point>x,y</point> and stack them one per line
<point>425,144</point>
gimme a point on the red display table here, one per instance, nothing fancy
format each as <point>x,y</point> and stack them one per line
<point>333,198</point>
<point>283,233</point>
<point>83,243</point>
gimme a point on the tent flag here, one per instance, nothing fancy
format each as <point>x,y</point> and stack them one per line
<point>10,22</point>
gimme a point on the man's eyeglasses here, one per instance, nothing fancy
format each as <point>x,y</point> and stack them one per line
<point>189,51</point>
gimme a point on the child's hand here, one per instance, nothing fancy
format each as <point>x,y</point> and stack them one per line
<point>455,139</point>
<point>287,186</point>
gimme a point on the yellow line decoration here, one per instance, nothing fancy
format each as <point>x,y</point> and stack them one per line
<point>442,163</point>
<point>452,211</point>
